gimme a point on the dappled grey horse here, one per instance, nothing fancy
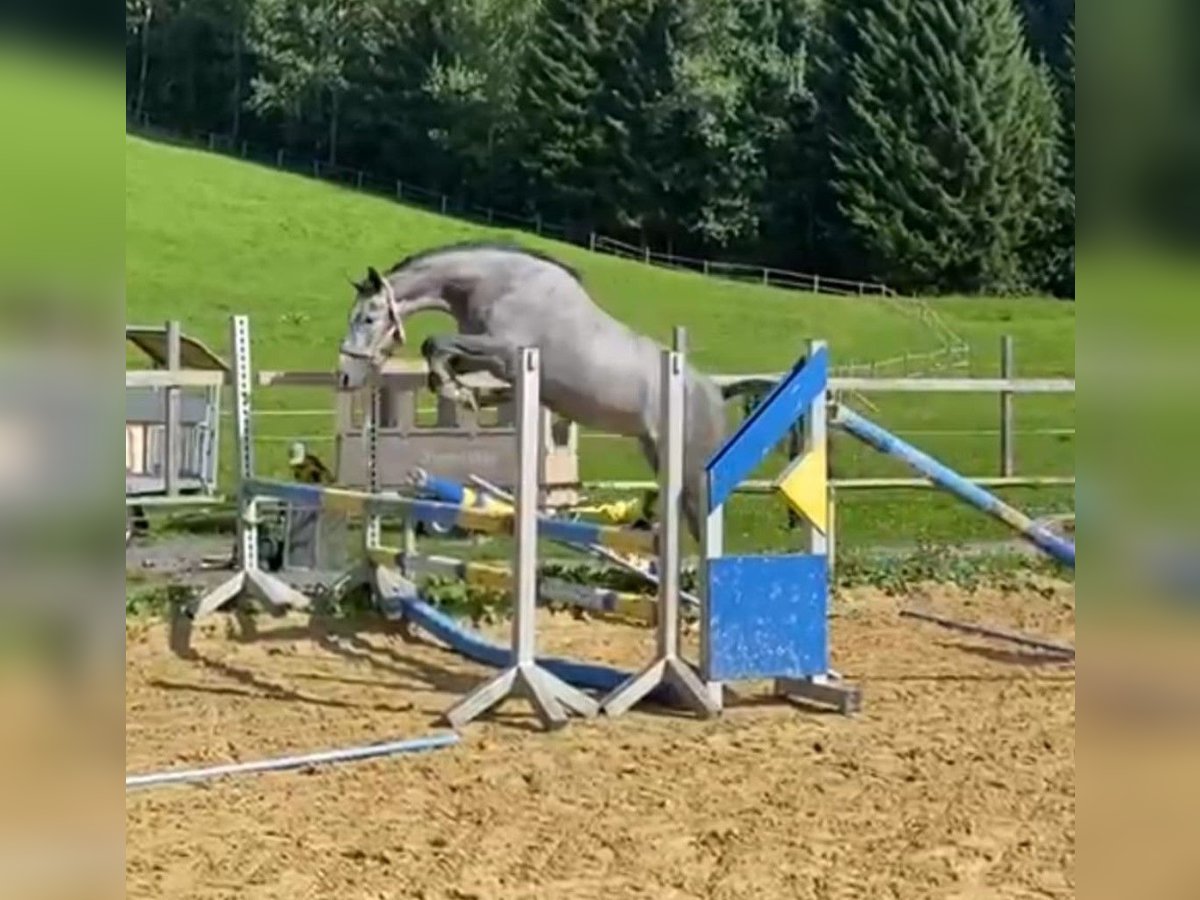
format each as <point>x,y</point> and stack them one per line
<point>595,370</point>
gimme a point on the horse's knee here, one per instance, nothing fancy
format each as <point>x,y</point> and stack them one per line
<point>431,346</point>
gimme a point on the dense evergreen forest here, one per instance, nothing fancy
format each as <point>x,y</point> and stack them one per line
<point>929,144</point>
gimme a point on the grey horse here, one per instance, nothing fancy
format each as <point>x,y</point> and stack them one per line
<point>595,370</point>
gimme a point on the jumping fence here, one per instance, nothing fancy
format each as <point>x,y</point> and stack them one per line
<point>1006,386</point>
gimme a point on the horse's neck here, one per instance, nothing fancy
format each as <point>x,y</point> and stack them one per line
<point>423,289</point>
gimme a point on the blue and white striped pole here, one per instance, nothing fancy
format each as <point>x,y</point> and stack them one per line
<point>282,763</point>
<point>883,440</point>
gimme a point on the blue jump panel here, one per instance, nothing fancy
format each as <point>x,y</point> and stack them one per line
<point>747,447</point>
<point>767,617</point>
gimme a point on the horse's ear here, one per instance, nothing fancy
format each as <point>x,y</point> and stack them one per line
<point>374,279</point>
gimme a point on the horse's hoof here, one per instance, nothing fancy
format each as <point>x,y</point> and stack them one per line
<point>466,397</point>
<point>459,395</point>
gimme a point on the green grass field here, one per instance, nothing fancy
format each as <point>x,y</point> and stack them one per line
<point>208,236</point>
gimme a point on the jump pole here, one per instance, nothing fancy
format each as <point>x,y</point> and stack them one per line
<point>301,761</point>
<point>1054,648</point>
<point>550,696</point>
<point>596,550</point>
<point>946,478</point>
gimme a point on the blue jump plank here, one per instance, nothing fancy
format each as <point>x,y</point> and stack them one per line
<point>747,447</point>
<point>767,617</point>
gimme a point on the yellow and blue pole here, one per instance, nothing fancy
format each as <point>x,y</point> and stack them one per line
<point>445,490</point>
<point>499,520</point>
<point>883,440</point>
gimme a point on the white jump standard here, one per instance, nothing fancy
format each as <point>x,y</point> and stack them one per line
<point>668,668</point>
<point>550,696</point>
<point>250,577</point>
<point>766,616</point>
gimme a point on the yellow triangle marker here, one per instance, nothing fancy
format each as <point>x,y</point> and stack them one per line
<point>804,484</point>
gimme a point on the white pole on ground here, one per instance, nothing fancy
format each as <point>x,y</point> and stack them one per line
<point>550,697</point>
<point>668,668</point>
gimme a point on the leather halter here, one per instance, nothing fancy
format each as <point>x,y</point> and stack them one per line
<point>376,353</point>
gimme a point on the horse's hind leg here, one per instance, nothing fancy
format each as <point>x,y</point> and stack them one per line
<point>693,484</point>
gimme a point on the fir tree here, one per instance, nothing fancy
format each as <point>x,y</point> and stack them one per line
<point>635,71</point>
<point>558,136</point>
<point>942,141</point>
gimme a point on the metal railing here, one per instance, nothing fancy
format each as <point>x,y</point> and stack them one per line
<point>767,276</point>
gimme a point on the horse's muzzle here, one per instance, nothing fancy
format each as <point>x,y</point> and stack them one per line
<point>353,371</point>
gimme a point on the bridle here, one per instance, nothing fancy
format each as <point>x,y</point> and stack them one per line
<point>377,351</point>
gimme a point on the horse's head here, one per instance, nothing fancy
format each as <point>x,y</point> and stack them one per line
<point>374,329</point>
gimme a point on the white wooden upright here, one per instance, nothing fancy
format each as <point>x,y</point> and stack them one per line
<point>668,668</point>
<point>550,696</point>
<point>250,577</point>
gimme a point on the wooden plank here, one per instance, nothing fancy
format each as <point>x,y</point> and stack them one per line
<point>268,378</point>
<point>922,385</point>
<point>956,385</point>
<point>766,617</point>
<point>768,487</point>
<point>1007,371</point>
<point>982,481</point>
<point>161,378</point>
<point>172,437</point>
<point>866,385</point>
<point>178,500</point>
<point>397,373</point>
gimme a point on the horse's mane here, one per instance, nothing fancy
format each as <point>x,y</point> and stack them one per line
<point>483,245</point>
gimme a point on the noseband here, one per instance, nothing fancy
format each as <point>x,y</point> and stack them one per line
<point>376,352</point>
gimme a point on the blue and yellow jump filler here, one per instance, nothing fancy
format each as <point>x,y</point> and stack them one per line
<point>765,616</point>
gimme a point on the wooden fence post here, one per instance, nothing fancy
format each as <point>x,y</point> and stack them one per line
<point>1007,370</point>
<point>172,434</point>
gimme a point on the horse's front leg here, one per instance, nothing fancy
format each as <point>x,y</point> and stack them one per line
<point>443,379</point>
<point>452,355</point>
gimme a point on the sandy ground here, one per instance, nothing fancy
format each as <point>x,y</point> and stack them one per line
<point>956,781</point>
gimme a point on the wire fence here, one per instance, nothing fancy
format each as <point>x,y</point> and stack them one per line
<point>767,276</point>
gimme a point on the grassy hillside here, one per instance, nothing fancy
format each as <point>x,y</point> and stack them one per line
<point>208,236</point>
